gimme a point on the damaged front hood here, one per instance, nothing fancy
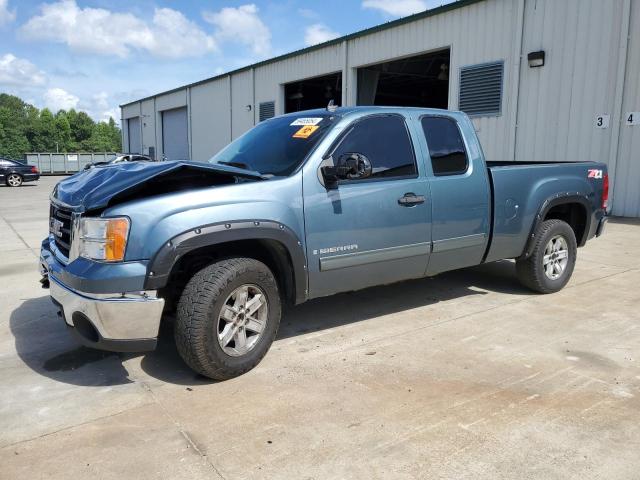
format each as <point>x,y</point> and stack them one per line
<point>102,186</point>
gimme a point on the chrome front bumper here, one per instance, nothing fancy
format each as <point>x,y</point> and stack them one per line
<point>126,322</point>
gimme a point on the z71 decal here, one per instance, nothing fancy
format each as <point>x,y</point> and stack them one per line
<point>594,173</point>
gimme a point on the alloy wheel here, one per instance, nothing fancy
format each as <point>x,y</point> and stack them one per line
<point>242,320</point>
<point>14,180</point>
<point>556,257</point>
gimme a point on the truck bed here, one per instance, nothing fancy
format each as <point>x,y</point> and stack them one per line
<point>518,190</point>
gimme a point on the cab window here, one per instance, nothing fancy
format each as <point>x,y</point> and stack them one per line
<point>446,147</point>
<point>385,141</point>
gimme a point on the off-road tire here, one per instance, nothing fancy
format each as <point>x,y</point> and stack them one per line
<point>531,272</point>
<point>196,326</point>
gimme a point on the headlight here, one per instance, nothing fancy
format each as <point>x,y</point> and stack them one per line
<point>103,238</point>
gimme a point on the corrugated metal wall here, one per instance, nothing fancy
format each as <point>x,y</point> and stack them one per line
<point>210,105</point>
<point>548,113</point>
<point>148,118</point>
<point>473,34</point>
<point>558,103</point>
<point>241,98</point>
<point>626,194</point>
<point>270,78</point>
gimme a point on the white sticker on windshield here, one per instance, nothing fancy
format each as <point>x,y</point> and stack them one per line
<point>301,122</point>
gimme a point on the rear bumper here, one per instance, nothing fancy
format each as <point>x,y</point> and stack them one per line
<point>119,322</point>
<point>30,177</point>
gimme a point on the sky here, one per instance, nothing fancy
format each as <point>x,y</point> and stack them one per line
<point>94,55</point>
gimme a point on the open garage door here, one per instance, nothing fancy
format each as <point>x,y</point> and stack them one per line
<point>420,81</point>
<point>314,92</point>
<point>175,134</point>
<point>133,130</point>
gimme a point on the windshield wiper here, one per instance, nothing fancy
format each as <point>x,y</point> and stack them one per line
<point>244,166</point>
<point>241,165</point>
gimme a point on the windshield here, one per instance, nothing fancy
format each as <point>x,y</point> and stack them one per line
<point>276,146</point>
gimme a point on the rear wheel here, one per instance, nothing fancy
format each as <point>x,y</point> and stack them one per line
<point>14,180</point>
<point>227,317</point>
<point>551,263</point>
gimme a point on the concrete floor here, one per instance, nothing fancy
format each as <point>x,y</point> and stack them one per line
<point>466,375</point>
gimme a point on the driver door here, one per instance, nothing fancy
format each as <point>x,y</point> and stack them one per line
<point>373,230</point>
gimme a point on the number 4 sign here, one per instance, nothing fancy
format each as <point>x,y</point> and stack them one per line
<point>632,118</point>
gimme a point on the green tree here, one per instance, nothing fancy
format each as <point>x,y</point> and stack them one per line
<point>45,140</point>
<point>13,141</point>
<point>116,136</point>
<point>24,128</point>
<point>101,139</point>
<point>32,120</point>
<point>63,132</point>
<point>81,125</point>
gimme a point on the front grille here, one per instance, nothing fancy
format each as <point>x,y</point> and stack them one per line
<point>60,228</point>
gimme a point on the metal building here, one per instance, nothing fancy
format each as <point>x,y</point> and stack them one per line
<point>542,79</point>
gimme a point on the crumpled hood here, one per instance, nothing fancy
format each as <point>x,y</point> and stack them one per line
<point>95,188</point>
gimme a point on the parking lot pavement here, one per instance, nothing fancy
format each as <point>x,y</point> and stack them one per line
<point>465,375</point>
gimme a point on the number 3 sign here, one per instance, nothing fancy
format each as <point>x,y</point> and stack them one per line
<point>602,121</point>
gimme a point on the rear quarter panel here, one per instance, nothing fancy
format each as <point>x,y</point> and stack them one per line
<point>520,193</point>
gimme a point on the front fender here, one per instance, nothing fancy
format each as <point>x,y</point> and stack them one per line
<point>161,265</point>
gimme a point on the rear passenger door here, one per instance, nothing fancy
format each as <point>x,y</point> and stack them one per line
<point>459,185</point>
<point>374,230</point>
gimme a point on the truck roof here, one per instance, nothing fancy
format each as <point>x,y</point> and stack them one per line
<point>343,111</point>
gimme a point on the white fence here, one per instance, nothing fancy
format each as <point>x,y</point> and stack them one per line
<point>65,162</point>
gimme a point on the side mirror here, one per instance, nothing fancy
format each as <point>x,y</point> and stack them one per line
<point>350,166</point>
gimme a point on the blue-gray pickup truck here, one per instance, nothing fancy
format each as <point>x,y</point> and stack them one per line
<point>302,206</point>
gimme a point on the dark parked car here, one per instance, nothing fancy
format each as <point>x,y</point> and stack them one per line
<point>127,157</point>
<point>14,173</point>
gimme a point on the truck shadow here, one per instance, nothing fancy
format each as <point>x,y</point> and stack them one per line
<point>43,344</point>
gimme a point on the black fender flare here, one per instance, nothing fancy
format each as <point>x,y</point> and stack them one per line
<point>554,201</point>
<point>162,263</point>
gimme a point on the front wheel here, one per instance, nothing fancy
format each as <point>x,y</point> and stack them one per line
<point>551,263</point>
<point>14,180</point>
<point>228,317</point>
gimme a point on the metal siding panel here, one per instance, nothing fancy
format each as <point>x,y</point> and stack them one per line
<point>558,102</point>
<point>269,78</point>
<point>481,32</point>
<point>241,96</point>
<point>175,134</point>
<point>171,100</point>
<point>148,126</point>
<point>131,110</point>
<point>626,198</point>
<point>210,118</point>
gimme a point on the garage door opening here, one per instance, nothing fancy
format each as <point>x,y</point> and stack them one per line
<point>420,81</point>
<point>313,93</point>
<point>133,130</point>
<point>175,134</point>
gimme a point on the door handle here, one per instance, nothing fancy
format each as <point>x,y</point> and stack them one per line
<point>411,199</point>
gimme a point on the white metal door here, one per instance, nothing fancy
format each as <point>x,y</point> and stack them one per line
<point>175,134</point>
<point>135,143</point>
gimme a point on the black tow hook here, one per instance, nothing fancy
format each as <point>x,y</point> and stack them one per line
<point>44,281</point>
